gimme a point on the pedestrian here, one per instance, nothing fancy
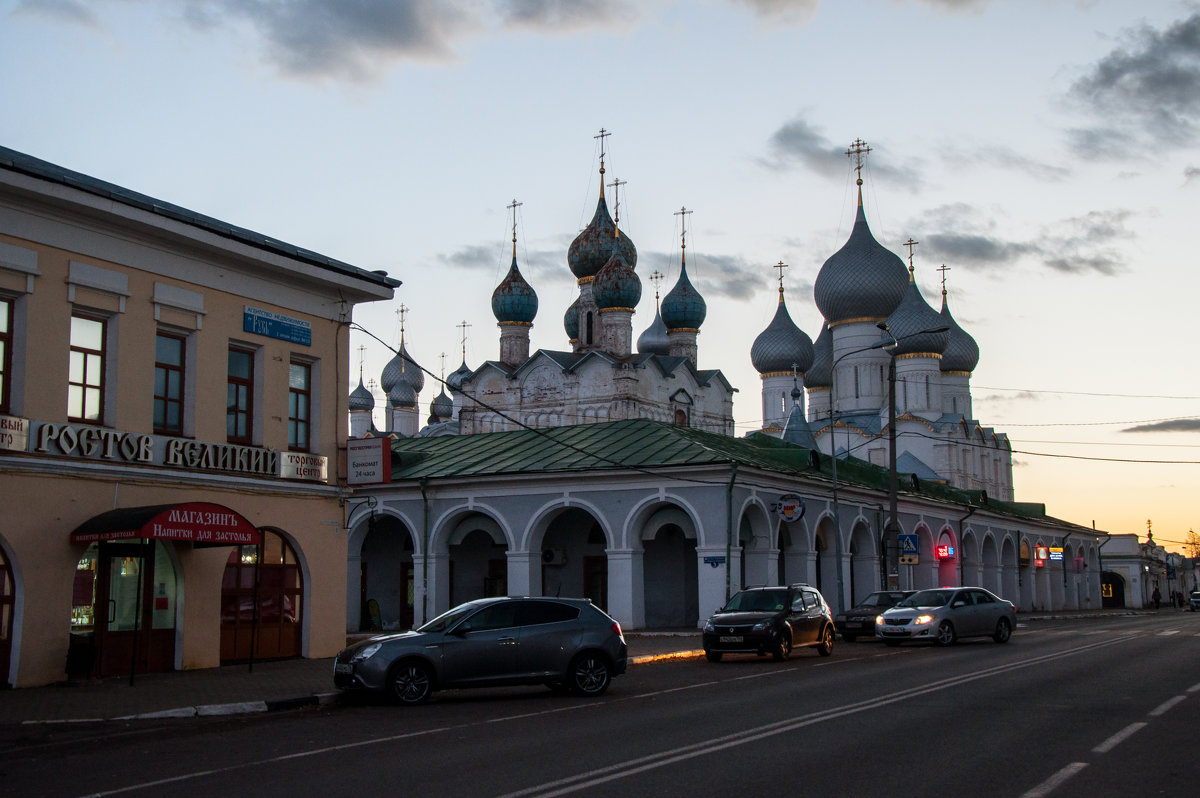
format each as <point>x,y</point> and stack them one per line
<point>1156,597</point>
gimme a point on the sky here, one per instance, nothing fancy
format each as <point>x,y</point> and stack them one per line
<point>1047,152</point>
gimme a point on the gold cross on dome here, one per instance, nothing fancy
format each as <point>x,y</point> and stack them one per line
<point>858,153</point>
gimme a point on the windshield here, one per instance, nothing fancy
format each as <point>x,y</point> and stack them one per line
<point>449,618</point>
<point>878,600</point>
<point>927,598</point>
<point>758,601</point>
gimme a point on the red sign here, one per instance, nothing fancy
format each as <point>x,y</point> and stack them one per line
<point>944,552</point>
<point>197,522</point>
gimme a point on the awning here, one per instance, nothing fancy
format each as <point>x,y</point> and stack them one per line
<point>202,523</point>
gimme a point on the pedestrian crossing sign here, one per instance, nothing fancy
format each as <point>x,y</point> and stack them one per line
<point>909,550</point>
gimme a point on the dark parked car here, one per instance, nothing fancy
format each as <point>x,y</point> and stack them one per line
<point>860,619</point>
<point>945,614</point>
<point>770,620</point>
<point>1194,601</point>
<point>563,643</point>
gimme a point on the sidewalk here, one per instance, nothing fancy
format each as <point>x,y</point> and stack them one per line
<point>236,689</point>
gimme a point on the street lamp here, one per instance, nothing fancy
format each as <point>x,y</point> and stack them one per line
<point>891,529</point>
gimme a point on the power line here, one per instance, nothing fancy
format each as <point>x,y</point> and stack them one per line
<point>1086,393</point>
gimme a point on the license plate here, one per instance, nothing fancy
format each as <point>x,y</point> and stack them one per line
<point>343,667</point>
<point>853,625</point>
<point>888,631</point>
<point>731,639</point>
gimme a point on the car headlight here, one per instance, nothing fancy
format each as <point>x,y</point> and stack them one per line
<point>921,620</point>
<point>708,626</point>
<point>763,626</point>
<point>366,653</point>
<point>879,620</point>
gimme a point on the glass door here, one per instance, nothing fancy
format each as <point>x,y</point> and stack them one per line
<point>122,598</point>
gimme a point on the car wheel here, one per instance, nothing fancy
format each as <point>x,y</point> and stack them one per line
<point>590,674</point>
<point>1003,631</point>
<point>825,647</point>
<point>411,683</point>
<point>945,633</point>
<point>783,649</point>
<point>849,638</point>
<point>712,656</point>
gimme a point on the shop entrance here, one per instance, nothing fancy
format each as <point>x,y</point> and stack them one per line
<point>123,619</point>
<point>8,598</point>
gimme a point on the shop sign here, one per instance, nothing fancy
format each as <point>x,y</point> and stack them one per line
<point>790,508</point>
<point>944,552</point>
<point>102,443</point>
<point>197,522</point>
<point>1056,553</point>
<point>276,325</point>
<point>368,461</point>
<point>714,561</point>
<point>14,433</point>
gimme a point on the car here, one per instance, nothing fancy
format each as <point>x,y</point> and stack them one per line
<point>567,644</point>
<point>770,620</point>
<point>943,615</point>
<point>1194,601</point>
<point>860,619</point>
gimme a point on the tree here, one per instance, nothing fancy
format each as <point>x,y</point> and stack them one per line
<point>1192,544</point>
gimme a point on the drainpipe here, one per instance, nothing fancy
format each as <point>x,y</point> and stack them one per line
<point>970,513</point>
<point>729,529</point>
<point>425,551</point>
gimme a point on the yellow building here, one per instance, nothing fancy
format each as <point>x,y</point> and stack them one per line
<point>173,412</point>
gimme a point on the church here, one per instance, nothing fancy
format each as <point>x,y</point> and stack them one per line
<point>602,472</point>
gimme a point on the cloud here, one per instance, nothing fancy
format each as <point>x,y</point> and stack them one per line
<point>536,265</point>
<point>1151,82</point>
<point>797,143</point>
<point>74,11</point>
<point>357,40</point>
<point>781,11</point>
<point>1008,160</point>
<point>967,236</point>
<point>1190,174</point>
<point>727,276</point>
<point>1174,425</point>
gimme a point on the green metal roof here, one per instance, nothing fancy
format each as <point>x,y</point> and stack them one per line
<point>646,444</point>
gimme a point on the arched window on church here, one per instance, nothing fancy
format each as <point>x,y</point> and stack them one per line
<point>588,329</point>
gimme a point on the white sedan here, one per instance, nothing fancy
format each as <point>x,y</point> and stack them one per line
<point>943,615</point>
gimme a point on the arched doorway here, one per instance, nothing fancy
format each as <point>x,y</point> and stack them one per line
<point>946,554</point>
<point>8,600</point>
<point>1112,590</point>
<point>123,610</point>
<point>274,630</point>
<point>574,557</point>
<point>478,568</point>
<point>386,587</point>
<point>670,583</point>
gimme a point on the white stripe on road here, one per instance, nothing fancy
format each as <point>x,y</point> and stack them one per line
<point>1168,633</point>
<point>1048,786</point>
<point>1162,708</point>
<point>1195,688</point>
<point>1118,738</point>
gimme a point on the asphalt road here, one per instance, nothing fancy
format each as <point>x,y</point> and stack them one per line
<point>1082,708</point>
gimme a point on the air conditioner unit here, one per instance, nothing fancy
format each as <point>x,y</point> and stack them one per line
<point>554,557</point>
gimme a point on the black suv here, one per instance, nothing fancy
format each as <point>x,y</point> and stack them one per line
<point>774,620</point>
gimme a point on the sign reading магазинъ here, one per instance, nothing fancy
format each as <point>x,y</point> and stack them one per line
<point>276,325</point>
<point>101,443</point>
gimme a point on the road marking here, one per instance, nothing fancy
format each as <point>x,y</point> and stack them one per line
<point>1194,688</point>
<point>586,780</point>
<point>1048,786</point>
<point>1162,708</point>
<point>1168,632</point>
<point>1119,737</point>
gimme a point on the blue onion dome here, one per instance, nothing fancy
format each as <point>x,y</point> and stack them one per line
<point>598,242</point>
<point>442,406</point>
<point>683,308</point>
<point>655,341</point>
<point>616,285</point>
<point>514,299</point>
<point>909,322</point>
<point>361,398</point>
<point>402,366</point>
<point>862,280</point>
<point>820,373</point>
<point>782,345</point>
<point>455,380</point>
<point>962,353</point>
<point>402,395</point>
<point>571,321</point>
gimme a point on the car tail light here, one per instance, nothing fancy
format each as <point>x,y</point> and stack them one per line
<point>616,627</point>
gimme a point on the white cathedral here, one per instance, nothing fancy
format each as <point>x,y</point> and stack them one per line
<point>875,319</point>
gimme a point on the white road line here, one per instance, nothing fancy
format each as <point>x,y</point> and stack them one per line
<point>1119,737</point>
<point>1195,688</point>
<point>1168,632</point>
<point>1048,786</point>
<point>1162,708</point>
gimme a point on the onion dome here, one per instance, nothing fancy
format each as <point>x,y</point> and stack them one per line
<point>571,321</point>
<point>402,366</point>
<point>862,280</point>
<point>598,242</point>
<point>455,380</point>
<point>683,307</point>
<point>962,353</point>
<point>655,341</point>
<point>782,346</point>
<point>361,398</point>
<point>402,395</point>
<point>616,285</point>
<point>910,321</point>
<point>820,373</point>
<point>514,299</point>
<point>442,407</point>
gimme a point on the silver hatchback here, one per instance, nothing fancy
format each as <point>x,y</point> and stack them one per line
<point>565,644</point>
<point>945,614</point>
